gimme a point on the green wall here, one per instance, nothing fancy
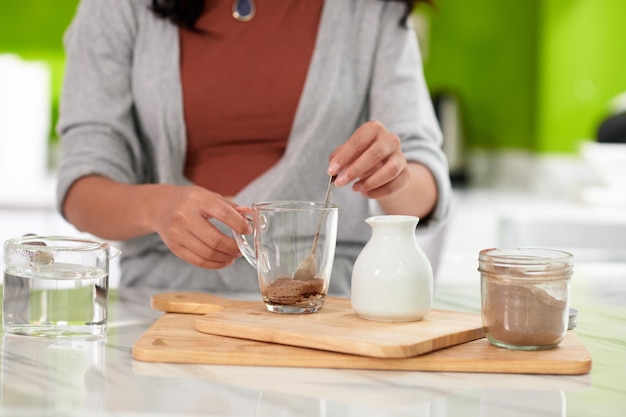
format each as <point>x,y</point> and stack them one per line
<point>484,52</point>
<point>582,67</point>
<point>33,29</point>
<point>532,74</point>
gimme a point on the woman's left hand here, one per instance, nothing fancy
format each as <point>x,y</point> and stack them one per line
<point>373,158</point>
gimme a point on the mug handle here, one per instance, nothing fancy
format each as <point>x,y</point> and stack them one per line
<point>244,247</point>
<point>113,252</point>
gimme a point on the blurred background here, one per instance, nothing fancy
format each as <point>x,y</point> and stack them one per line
<point>531,78</point>
<point>530,95</point>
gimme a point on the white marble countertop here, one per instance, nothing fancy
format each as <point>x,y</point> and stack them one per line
<point>78,378</point>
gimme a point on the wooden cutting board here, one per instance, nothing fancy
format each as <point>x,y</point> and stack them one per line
<point>173,338</point>
<point>335,328</point>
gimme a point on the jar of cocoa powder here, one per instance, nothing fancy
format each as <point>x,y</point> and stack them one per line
<point>525,296</point>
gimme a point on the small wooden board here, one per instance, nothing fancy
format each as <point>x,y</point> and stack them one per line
<point>173,338</point>
<point>335,328</point>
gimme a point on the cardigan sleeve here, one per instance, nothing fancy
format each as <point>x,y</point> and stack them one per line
<point>96,125</point>
<point>399,97</point>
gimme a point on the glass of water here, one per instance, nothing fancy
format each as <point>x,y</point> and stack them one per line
<point>56,286</point>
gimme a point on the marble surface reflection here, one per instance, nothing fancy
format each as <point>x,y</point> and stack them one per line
<point>100,377</point>
<point>38,372</point>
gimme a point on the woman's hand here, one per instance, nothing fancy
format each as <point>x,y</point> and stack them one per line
<point>372,158</point>
<point>182,221</point>
<point>179,214</point>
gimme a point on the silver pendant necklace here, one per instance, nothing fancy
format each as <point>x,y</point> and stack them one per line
<point>243,10</point>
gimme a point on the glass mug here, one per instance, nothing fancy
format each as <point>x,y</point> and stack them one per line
<point>56,286</point>
<point>284,234</point>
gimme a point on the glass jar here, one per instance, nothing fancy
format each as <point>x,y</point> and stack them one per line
<point>525,296</point>
<point>56,286</point>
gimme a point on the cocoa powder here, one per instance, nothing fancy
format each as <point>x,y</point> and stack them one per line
<point>289,291</point>
<point>523,315</point>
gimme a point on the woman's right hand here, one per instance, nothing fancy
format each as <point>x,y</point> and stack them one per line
<point>179,214</point>
<point>182,221</point>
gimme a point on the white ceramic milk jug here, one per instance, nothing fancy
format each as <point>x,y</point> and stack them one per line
<point>392,279</point>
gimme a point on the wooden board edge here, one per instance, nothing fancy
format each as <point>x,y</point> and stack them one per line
<point>581,367</point>
<point>367,349</point>
<point>147,349</point>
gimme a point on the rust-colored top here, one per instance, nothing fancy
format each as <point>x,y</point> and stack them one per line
<point>241,85</point>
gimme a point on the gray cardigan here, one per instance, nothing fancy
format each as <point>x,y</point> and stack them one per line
<point>122,117</point>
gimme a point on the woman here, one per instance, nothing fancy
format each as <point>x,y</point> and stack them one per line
<point>178,112</point>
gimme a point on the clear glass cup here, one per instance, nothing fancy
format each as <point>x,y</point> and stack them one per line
<point>56,286</point>
<point>284,235</point>
<point>525,296</point>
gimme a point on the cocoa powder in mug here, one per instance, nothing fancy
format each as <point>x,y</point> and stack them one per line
<point>290,291</point>
<point>523,315</point>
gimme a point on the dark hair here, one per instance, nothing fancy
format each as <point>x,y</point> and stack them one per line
<point>186,12</point>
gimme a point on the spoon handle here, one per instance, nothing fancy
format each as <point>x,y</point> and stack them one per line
<point>329,190</point>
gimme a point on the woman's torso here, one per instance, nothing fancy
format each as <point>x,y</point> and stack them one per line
<point>241,84</point>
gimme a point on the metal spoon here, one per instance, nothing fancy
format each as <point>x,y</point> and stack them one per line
<point>308,268</point>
